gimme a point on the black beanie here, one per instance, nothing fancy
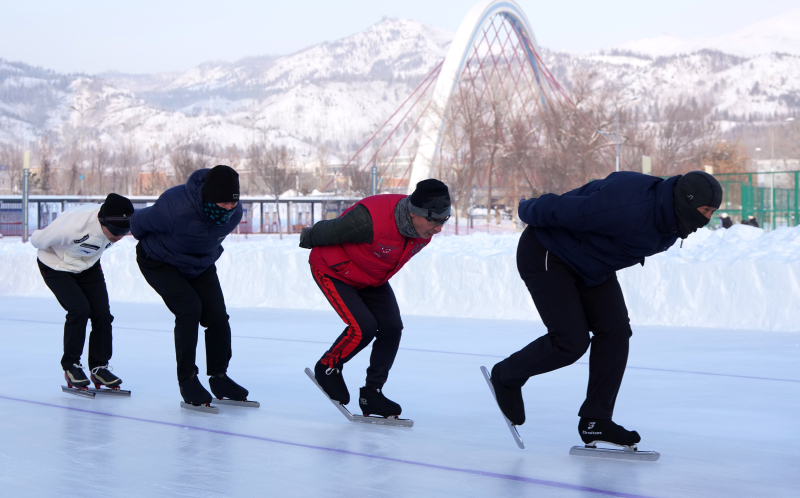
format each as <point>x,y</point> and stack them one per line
<point>221,185</point>
<point>430,199</point>
<point>691,191</point>
<point>115,214</point>
<point>699,189</point>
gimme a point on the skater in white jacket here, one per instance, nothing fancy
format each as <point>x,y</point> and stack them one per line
<point>69,261</point>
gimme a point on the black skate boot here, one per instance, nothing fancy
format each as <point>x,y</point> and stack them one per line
<point>102,376</point>
<point>605,431</point>
<point>332,382</point>
<point>75,376</point>
<point>509,399</point>
<point>193,391</point>
<point>224,387</point>
<point>373,402</point>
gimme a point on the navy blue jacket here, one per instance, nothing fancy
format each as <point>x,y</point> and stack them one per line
<point>175,229</point>
<point>606,225</point>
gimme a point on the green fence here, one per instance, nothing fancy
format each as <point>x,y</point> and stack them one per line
<point>769,196</point>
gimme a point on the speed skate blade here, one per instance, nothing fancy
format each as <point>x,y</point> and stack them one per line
<point>84,393</point>
<point>232,402</point>
<point>511,427</point>
<point>349,416</point>
<point>393,421</point>
<point>110,392</point>
<point>200,408</point>
<point>623,453</point>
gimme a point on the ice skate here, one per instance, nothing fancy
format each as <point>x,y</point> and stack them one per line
<point>195,396</point>
<point>393,421</point>
<point>593,431</point>
<point>77,383</point>
<point>509,399</point>
<point>106,382</point>
<point>332,382</point>
<point>511,426</point>
<point>373,402</point>
<point>229,392</point>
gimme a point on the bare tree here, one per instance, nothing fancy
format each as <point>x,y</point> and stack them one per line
<point>11,160</point>
<point>186,157</point>
<point>683,136</point>
<point>274,168</point>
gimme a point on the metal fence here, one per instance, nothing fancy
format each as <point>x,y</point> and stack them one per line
<point>770,197</point>
<point>260,214</point>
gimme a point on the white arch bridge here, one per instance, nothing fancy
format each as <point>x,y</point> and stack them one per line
<point>491,100</point>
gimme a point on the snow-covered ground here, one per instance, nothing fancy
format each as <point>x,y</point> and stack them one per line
<point>719,405</point>
<point>741,278</point>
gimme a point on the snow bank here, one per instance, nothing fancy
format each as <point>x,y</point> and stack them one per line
<point>740,278</point>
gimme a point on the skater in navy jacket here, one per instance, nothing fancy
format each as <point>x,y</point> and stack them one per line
<point>568,257</point>
<point>180,240</point>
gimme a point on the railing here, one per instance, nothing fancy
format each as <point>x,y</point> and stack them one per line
<point>260,213</point>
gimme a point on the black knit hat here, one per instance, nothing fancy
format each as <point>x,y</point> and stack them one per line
<point>221,185</point>
<point>115,214</point>
<point>699,189</point>
<point>431,199</point>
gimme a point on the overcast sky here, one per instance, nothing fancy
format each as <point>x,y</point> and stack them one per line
<point>147,36</point>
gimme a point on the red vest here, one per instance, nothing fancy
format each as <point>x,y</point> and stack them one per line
<point>370,265</point>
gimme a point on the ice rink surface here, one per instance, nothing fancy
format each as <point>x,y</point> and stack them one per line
<point>722,407</point>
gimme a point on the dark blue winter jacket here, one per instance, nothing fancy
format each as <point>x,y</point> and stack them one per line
<point>606,225</point>
<point>176,230</point>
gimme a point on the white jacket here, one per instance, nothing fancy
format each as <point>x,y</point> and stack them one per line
<point>74,241</point>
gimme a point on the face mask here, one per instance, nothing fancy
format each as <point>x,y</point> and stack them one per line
<point>218,215</point>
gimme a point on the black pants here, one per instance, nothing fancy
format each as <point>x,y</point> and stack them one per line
<point>370,313</point>
<point>193,301</point>
<point>84,296</point>
<point>570,310</point>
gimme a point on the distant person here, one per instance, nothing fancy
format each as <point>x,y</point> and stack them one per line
<point>752,221</point>
<point>725,220</point>
<point>69,260</point>
<point>568,257</point>
<point>352,259</point>
<point>180,240</point>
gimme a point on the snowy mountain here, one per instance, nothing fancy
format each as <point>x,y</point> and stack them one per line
<point>338,93</point>
<point>780,34</point>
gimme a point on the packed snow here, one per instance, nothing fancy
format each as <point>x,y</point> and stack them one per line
<point>740,278</point>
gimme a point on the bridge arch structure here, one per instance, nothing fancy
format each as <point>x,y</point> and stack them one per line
<point>470,41</point>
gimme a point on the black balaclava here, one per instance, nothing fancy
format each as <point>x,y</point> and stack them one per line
<point>693,190</point>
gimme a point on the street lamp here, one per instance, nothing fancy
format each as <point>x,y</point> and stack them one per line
<point>618,145</point>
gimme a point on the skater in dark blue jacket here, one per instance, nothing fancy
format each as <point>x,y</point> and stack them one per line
<point>568,257</point>
<point>180,240</point>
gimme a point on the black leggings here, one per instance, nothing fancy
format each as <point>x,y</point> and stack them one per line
<point>370,312</point>
<point>84,296</point>
<point>570,310</point>
<point>193,301</point>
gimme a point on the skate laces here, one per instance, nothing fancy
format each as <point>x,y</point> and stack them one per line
<point>77,365</point>
<point>332,370</point>
<point>95,369</point>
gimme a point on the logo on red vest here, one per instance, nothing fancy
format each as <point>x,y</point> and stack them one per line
<point>383,252</point>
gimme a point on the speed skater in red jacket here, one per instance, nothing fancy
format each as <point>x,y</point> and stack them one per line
<point>352,259</point>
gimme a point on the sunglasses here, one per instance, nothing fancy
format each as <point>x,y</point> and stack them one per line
<point>437,221</point>
<point>115,230</point>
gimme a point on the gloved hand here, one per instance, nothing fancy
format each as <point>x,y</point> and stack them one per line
<point>305,238</point>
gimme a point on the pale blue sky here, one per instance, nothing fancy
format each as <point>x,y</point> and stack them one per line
<point>155,36</point>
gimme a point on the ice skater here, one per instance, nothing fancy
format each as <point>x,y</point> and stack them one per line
<point>568,256</point>
<point>180,239</point>
<point>352,259</point>
<point>69,261</point>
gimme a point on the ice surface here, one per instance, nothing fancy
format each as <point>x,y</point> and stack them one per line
<point>719,405</point>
